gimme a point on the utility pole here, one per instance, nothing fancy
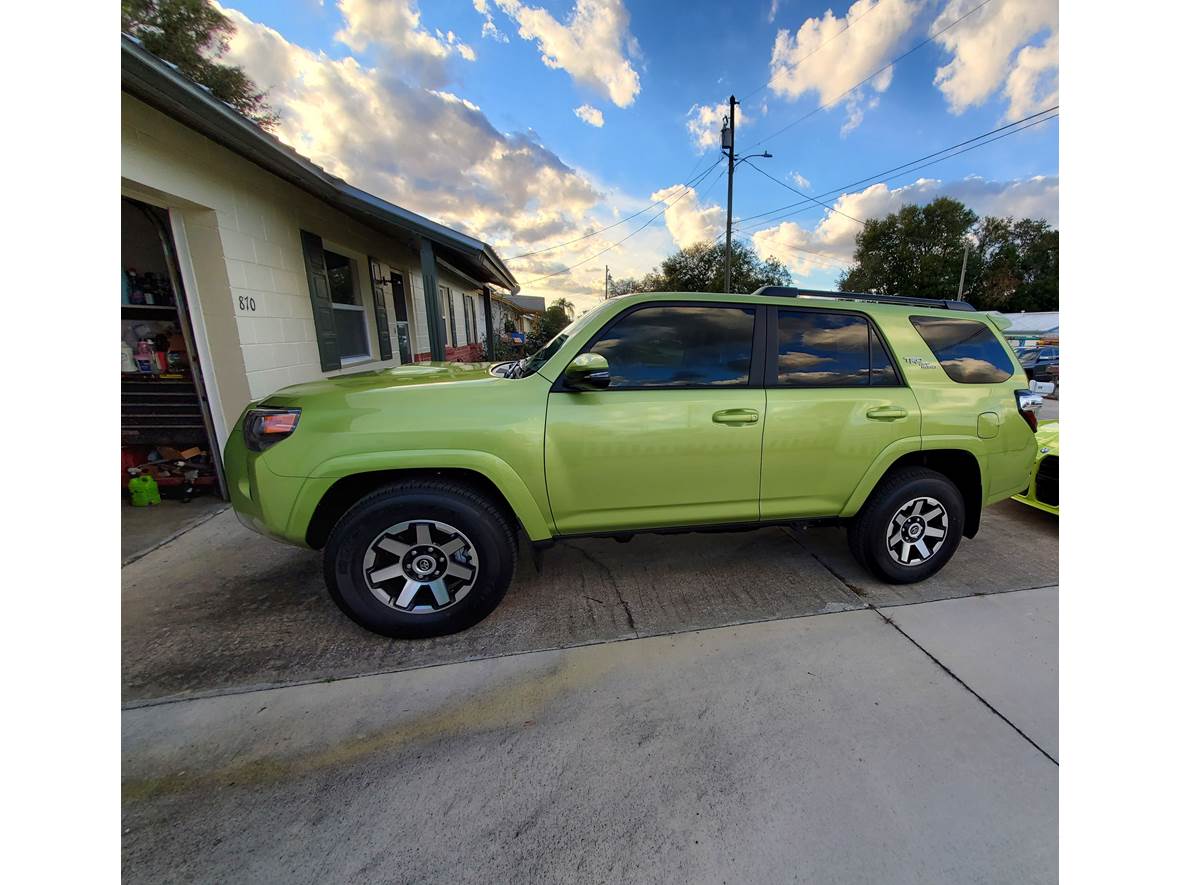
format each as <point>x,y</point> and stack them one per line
<point>727,141</point>
<point>963,272</point>
<point>606,284</point>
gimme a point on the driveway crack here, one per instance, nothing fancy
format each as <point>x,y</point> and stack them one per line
<point>951,674</point>
<point>610,576</point>
<point>922,649</point>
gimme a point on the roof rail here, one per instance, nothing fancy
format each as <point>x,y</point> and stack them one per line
<point>792,292</point>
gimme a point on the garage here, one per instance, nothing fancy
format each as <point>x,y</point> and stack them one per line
<point>170,470</point>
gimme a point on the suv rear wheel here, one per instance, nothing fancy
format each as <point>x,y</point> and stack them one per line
<point>420,558</point>
<point>910,526</point>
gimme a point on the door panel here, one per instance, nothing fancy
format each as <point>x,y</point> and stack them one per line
<point>627,459</point>
<point>835,403</point>
<point>676,438</point>
<point>819,442</point>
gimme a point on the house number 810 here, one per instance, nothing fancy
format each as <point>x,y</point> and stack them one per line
<point>246,302</point>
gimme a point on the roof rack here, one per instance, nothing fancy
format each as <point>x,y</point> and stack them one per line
<point>792,292</point>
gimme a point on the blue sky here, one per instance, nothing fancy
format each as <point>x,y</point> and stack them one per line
<point>465,110</point>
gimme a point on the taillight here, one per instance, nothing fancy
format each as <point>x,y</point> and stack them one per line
<point>1028,404</point>
<point>262,428</point>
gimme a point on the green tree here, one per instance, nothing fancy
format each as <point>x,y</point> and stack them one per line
<point>561,310</point>
<point>193,34</point>
<point>917,250</point>
<point>1011,265</point>
<point>556,317</point>
<point>1019,265</point>
<point>701,268</point>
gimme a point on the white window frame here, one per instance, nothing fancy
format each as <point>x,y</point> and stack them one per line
<point>362,305</point>
<point>391,311</point>
<point>470,319</point>
<point>445,294</point>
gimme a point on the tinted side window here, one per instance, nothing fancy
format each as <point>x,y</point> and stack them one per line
<point>679,347</point>
<point>967,349</point>
<point>817,349</point>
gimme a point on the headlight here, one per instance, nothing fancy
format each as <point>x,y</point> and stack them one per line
<point>262,428</point>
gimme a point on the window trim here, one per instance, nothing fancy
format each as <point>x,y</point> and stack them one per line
<point>447,304</point>
<point>470,326</point>
<point>361,306</point>
<point>1012,367</point>
<point>757,346</point>
<point>408,297</point>
<point>771,368</point>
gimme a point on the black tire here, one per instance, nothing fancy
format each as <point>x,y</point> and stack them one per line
<point>867,535</point>
<point>442,501</point>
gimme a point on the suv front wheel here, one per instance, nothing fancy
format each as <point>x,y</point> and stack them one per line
<point>909,527</point>
<point>420,558</point>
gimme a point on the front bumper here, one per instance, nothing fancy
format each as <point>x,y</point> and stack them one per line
<point>264,501</point>
<point>1043,487</point>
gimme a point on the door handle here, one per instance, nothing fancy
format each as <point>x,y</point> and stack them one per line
<point>886,413</point>
<point>735,417</point>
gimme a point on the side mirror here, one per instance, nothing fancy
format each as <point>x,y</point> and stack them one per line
<point>588,371</point>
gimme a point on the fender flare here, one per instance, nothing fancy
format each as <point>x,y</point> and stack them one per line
<point>899,449</point>
<point>535,518</point>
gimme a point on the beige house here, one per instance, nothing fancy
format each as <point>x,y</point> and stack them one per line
<point>523,310</point>
<point>274,271</point>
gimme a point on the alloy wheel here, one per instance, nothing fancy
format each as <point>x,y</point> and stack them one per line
<point>421,566</point>
<point>916,531</point>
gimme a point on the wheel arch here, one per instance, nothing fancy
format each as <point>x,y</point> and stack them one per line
<point>502,486</point>
<point>960,466</point>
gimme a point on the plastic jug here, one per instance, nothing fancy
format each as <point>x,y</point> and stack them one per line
<point>144,490</point>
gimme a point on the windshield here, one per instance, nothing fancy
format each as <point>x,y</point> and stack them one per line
<point>530,364</point>
<point>1029,357</point>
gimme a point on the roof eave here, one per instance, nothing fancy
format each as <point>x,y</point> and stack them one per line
<point>158,84</point>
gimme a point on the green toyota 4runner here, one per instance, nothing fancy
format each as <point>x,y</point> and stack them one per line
<point>897,417</point>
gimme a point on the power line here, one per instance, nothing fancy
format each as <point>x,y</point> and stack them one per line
<point>876,176</point>
<point>795,64</point>
<point>875,73</point>
<point>685,189</point>
<point>624,239</point>
<point>924,165</point>
<point>806,197</point>
<point>907,166</point>
<point>827,264</point>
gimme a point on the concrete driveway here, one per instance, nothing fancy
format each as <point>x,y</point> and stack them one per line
<point>221,608</point>
<point>638,712</point>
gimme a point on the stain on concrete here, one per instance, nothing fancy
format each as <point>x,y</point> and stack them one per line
<point>510,704</point>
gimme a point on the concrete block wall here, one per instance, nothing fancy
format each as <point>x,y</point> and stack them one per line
<point>257,218</point>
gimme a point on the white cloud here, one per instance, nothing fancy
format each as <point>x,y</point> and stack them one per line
<point>595,45</point>
<point>436,153</point>
<point>800,181</point>
<point>991,49</point>
<point>704,124</point>
<point>589,114</point>
<point>773,13</point>
<point>856,105</point>
<point>490,31</point>
<point>798,64</point>
<point>429,150</point>
<point>686,219</point>
<point>1032,84</point>
<point>395,28</point>
<point>832,242</point>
